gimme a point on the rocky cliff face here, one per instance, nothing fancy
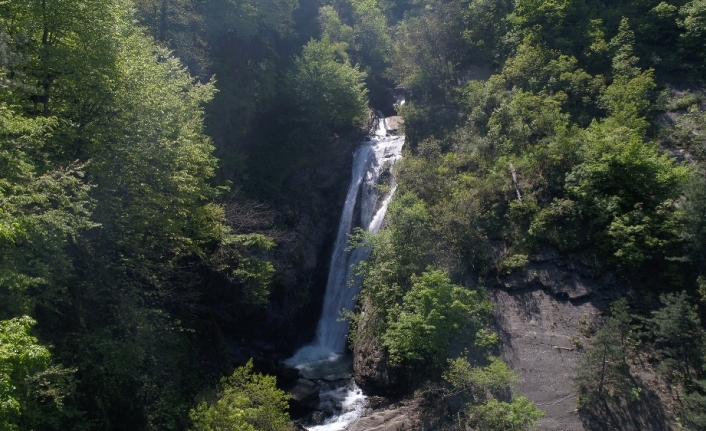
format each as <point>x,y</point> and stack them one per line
<point>371,368</point>
<point>311,206</point>
<point>542,315</point>
<point>307,214</point>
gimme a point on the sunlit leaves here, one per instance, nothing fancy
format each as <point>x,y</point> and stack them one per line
<point>245,401</point>
<point>431,313</point>
<point>20,356</point>
<point>329,89</point>
<point>518,415</point>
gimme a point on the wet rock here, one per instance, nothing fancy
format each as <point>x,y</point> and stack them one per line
<point>317,418</point>
<point>308,212</point>
<point>286,375</point>
<point>264,347</point>
<point>376,402</point>
<point>304,397</point>
<point>285,372</point>
<point>393,124</point>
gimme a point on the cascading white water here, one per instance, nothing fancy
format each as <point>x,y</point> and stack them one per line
<point>365,208</point>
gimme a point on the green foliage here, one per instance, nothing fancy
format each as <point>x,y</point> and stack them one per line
<point>161,184</point>
<point>694,13</point>
<point>334,29</point>
<point>476,383</point>
<point>108,216</point>
<point>398,252</point>
<point>245,401</point>
<point>110,234</point>
<point>370,39</point>
<point>694,233</point>
<point>432,312</point>
<point>485,24</point>
<point>626,188</point>
<point>20,357</point>
<point>603,372</point>
<point>559,224</point>
<point>520,414</point>
<point>373,31</point>
<point>329,90</point>
<point>680,341</point>
<point>482,388</point>
<point>674,339</point>
<point>678,338</point>
<point>511,263</point>
<point>232,259</point>
<point>626,98</point>
<point>693,20</point>
<point>425,47</point>
<point>695,406</point>
<point>41,209</point>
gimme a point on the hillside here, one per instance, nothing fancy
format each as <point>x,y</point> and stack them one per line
<point>173,173</point>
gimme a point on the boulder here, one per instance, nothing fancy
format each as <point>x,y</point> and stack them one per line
<point>304,397</point>
<point>391,419</point>
<point>286,373</point>
<point>317,418</point>
<point>394,124</point>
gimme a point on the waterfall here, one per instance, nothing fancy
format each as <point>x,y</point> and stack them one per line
<point>365,207</point>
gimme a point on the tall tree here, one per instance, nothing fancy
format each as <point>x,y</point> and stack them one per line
<point>603,373</point>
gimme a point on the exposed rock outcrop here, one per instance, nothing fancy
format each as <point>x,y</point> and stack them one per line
<point>395,418</point>
<point>540,336</point>
<point>555,273</point>
<point>543,316</point>
<point>310,206</point>
<point>371,368</point>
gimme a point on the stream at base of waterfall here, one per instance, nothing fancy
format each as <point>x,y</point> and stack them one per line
<point>326,359</point>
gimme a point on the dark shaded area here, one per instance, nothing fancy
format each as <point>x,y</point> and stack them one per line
<point>646,414</point>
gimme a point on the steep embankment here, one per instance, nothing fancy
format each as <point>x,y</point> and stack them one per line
<point>544,316</point>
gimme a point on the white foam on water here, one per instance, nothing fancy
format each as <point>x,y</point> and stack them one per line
<point>370,161</point>
<point>326,357</point>
<point>352,402</point>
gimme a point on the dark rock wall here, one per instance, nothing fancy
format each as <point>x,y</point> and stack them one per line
<point>311,204</point>
<point>371,368</point>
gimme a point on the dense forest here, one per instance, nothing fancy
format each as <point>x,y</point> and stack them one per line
<point>151,154</point>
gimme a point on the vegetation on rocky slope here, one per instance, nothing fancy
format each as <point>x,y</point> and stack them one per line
<point>133,249</point>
